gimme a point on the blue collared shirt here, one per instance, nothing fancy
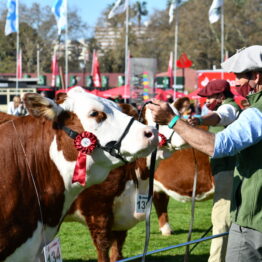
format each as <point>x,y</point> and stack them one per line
<point>242,133</point>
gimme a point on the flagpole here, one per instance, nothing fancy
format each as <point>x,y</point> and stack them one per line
<point>222,37</point>
<point>17,43</point>
<point>175,51</point>
<point>66,48</point>
<point>126,53</point>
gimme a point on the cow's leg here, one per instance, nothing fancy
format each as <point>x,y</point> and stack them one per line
<point>160,201</point>
<point>100,230</point>
<point>119,238</point>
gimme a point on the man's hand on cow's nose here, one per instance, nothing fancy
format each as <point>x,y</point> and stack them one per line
<point>161,112</point>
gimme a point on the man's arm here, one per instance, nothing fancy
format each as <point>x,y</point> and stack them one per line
<point>197,138</point>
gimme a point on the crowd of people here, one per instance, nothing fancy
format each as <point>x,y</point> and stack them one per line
<point>234,144</point>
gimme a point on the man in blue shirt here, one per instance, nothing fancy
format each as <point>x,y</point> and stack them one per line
<point>242,138</point>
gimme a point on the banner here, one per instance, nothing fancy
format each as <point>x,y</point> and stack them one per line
<point>96,71</point>
<point>170,72</point>
<point>60,11</point>
<point>19,65</point>
<point>55,70</point>
<point>118,8</point>
<point>215,11</point>
<point>11,25</point>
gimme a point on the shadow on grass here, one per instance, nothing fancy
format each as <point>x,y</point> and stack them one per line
<point>182,231</point>
<point>177,258</point>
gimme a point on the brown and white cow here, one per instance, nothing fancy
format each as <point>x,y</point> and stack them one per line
<point>109,209</point>
<point>174,178</point>
<point>38,160</point>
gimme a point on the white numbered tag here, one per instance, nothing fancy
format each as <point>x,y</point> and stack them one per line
<point>52,251</point>
<point>141,201</point>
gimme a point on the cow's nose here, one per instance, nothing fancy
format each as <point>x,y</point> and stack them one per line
<point>148,134</point>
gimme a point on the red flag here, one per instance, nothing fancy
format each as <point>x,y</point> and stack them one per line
<point>170,69</point>
<point>55,69</point>
<point>19,65</point>
<point>96,71</point>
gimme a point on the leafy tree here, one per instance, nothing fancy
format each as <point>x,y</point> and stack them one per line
<point>140,10</point>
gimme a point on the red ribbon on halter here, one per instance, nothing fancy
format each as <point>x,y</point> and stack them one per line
<point>85,143</point>
<point>163,140</point>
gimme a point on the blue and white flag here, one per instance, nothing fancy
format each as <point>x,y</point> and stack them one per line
<point>119,7</point>
<point>11,25</point>
<point>174,5</point>
<point>215,11</point>
<point>60,11</point>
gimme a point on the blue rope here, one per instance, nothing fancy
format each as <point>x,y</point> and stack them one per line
<point>172,247</point>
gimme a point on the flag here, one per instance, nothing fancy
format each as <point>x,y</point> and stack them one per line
<point>19,65</point>
<point>175,4</point>
<point>215,11</point>
<point>96,71</point>
<point>119,7</point>
<point>59,9</point>
<point>170,69</point>
<point>11,25</point>
<point>55,70</point>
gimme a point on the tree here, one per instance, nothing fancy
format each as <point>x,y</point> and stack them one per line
<point>140,10</point>
<point>37,28</point>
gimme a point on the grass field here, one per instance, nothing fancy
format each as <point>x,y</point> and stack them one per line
<point>77,245</point>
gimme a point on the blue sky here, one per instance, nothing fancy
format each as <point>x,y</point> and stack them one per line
<point>90,10</point>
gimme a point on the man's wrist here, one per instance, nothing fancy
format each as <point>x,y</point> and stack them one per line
<point>173,121</point>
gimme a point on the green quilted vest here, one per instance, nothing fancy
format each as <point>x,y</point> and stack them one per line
<point>246,204</point>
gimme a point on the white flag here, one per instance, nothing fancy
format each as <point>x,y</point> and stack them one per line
<point>119,7</point>
<point>215,11</point>
<point>174,5</point>
<point>59,9</point>
<point>11,25</point>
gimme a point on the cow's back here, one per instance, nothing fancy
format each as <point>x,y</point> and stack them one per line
<point>175,175</point>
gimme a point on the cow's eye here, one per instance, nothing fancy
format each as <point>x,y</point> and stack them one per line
<point>93,113</point>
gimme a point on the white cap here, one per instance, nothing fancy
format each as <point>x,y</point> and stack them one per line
<point>247,59</point>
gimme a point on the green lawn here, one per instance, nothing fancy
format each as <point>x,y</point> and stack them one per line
<point>77,245</point>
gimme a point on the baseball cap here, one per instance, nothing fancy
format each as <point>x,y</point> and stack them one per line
<point>245,60</point>
<point>214,87</point>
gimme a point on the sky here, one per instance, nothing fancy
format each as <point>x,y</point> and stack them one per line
<point>90,10</point>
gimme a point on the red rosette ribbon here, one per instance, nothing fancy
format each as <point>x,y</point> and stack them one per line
<point>85,143</point>
<point>163,140</point>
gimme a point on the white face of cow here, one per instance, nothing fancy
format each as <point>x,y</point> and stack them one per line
<point>139,141</point>
<point>175,142</point>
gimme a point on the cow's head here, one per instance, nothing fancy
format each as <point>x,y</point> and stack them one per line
<point>80,111</point>
<point>174,141</point>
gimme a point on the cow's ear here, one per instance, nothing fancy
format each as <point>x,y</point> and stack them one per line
<point>129,110</point>
<point>39,106</point>
<point>60,98</point>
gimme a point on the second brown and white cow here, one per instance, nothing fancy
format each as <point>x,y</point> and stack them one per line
<point>39,161</point>
<point>174,178</point>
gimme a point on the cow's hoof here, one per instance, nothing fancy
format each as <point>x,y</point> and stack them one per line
<point>166,230</point>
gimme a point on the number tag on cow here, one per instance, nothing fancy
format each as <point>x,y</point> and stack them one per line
<point>52,251</point>
<point>141,201</point>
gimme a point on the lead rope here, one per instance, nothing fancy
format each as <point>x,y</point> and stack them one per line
<point>187,253</point>
<point>149,201</point>
<point>150,191</point>
<point>33,180</point>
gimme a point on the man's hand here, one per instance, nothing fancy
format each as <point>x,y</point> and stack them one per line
<point>193,121</point>
<point>161,111</point>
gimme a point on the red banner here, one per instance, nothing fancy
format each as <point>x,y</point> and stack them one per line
<point>96,71</point>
